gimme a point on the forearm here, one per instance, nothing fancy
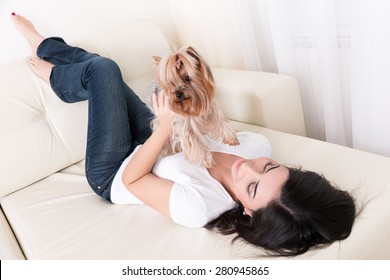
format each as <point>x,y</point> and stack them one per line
<point>143,160</point>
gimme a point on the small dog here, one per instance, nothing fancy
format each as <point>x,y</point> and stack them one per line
<point>187,80</point>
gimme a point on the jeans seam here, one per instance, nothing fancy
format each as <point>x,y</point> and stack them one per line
<point>98,187</point>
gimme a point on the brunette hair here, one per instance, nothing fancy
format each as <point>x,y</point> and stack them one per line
<point>310,212</point>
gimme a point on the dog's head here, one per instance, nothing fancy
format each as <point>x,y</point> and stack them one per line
<point>187,79</point>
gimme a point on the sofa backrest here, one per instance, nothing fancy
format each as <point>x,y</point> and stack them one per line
<point>39,134</point>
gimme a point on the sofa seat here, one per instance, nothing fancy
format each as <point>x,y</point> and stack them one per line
<point>48,211</point>
<point>60,217</point>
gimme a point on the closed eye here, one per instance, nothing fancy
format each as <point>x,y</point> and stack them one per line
<point>269,166</point>
<point>255,189</point>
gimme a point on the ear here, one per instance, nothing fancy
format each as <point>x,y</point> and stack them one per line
<point>248,212</point>
<point>190,50</point>
<point>156,60</point>
<point>178,63</point>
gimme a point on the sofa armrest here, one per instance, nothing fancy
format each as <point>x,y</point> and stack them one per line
<point>259,98</point>
<point>9,247</point>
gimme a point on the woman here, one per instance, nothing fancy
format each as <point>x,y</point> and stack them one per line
<point>283,210</point>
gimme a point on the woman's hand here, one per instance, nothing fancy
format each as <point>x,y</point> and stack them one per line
<point>162,111</point>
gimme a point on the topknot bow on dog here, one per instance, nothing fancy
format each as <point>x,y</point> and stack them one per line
<point>187,80</point>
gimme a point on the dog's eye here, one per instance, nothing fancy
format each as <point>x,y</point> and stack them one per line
<point>179,95</point>
<point>187,79</point>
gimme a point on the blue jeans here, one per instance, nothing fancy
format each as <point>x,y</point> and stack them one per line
<point>118,120</point>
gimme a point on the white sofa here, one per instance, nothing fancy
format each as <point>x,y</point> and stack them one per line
<point>48,210</point>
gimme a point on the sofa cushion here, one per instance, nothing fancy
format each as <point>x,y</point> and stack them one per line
<point>60,217</point>
<point>265,99</point>
<point>134,52</point>
<point>39,134</point>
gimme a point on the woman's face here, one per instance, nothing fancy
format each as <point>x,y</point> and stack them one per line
<point>258,181</point>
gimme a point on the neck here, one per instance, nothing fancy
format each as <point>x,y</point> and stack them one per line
<point>222,170</point>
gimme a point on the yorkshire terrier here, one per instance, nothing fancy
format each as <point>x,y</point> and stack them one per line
<point>187,80</point>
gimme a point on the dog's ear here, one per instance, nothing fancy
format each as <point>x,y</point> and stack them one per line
<point>190,50</point>
<point>156,60</point>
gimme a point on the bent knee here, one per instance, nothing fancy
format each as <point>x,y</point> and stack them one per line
<point>103,64</point>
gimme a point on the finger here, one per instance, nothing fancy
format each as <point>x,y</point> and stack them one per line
<point>166,99</point>
<point>161,99</point>
<point>154,100</point>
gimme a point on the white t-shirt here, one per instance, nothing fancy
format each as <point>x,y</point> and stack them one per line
<point>196,197</point>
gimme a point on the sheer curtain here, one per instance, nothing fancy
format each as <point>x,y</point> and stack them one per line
<point>339,50</point>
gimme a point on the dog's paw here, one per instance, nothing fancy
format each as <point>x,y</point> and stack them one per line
<point>208,164</point>
<point>208,161</point>
<point>231,141</point>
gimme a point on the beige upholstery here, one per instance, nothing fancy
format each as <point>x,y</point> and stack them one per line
<point>48,210</point>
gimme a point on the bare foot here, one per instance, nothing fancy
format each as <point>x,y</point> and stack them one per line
<point>42,68</point>
<point>28,30</point>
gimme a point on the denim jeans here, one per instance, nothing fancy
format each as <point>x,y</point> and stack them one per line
<point>118,120</point>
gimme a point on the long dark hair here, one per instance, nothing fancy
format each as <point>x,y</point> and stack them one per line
<point>311,212</point>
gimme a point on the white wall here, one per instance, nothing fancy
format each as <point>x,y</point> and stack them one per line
<point>77,20</point>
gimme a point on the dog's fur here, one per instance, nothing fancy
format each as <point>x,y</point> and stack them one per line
<point>187,80</point>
